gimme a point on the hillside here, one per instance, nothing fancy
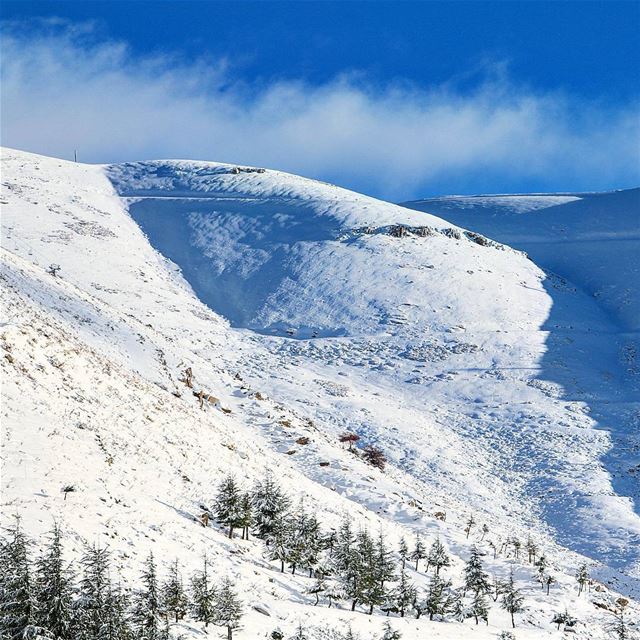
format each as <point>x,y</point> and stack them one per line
<point>307,311</point>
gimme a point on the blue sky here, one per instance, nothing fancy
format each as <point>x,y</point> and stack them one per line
<point>396,99</point>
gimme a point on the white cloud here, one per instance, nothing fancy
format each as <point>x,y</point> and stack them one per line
<point>63,89</point>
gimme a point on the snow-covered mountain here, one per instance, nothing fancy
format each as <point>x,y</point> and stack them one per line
<point>308,310</point>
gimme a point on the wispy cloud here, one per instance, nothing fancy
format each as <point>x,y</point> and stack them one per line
<point>64,89</point>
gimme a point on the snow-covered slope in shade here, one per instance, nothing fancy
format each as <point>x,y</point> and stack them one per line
<point>428,341</point>
<point>588,244</point>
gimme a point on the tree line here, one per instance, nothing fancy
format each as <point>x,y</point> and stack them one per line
<point>355,567</point>
<point>51,599</point>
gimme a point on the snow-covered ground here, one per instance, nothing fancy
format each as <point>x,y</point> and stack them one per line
<point>482,376</point>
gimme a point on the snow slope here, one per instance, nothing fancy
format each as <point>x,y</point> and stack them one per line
<point>425,339</point>
<point>590,244</point>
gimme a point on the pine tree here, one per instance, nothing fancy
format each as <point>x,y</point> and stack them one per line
<point>470,523</point>
<point>497,588</point>
<point>270,505</point>
<point>246,515</point>
<point>475,578</point>
<point>517,545</point>
<point>117,620</point>
<point>319,585</point>
<point>404,594</point>
<point>385,566</point>
<point>367,588</point>
<point>532,550</point>
<point>17,606</point>
<point>455,605</point>
<point>548,581</point>
<point>419,551</point>
<point>312,543</point>
<point>227,608</point>
<point>91,607</point>
<point>54,591</point>
<point>345,560</point>
<point>485,530</point>
<point>582,576</point>
<point>542,570</point>
<point>403,550</point>
<point>479,608</point>
<point>228,504</point>
<point>173,598</point>
<point>202,595</point>
<point>300,633</point>
<point>351,634</point>
<point>389,633</point>
<point>564,618</point>
<point>512,599</point>
<point>333,593</point>
<point>619,627</point>
<point>280,538</point>
<point>146,611</point>
<point>436,600</point>
<point>438,557</point>
<point>297,539</point>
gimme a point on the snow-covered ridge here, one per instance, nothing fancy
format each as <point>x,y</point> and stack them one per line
<point>435,348</point>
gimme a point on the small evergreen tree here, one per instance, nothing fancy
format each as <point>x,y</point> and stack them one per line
<point>404,594</point>
<point>333,593</point>
<point>300,633</point>
<point>403,551</point>
<point>345,560</point>
<point>227,608</point>
<point>479,608</point>
<point>366,586</point>
<point>497,588</point>
<point>173,598</point>
<point>564,618</point>
<point>117,620</point>
<point>438,557</point>
<point>91,607</point>
<point>228,504</point>
<point>389,633</point>
<point>619,627</point>
<point>246,515</point>
<point>319,585</point>
<point>470,524</point>
<point>202,595</point>
<point>54,592</point>
<point>512,599</point>
<point>548,581</point>
<point>436,600</point>
<point>582,577</point>
<point>541,574</point>
<point>455,605</point>
<point>270,505</point>
<point>312,541</point>
<point>475,578</point>
<point>280,538</point>
<point>385,568</point>
<point>146,609</point>
<point>517,545</point>
<point>532,550</point>
<point>17,605</point>
<point>419,551</point>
